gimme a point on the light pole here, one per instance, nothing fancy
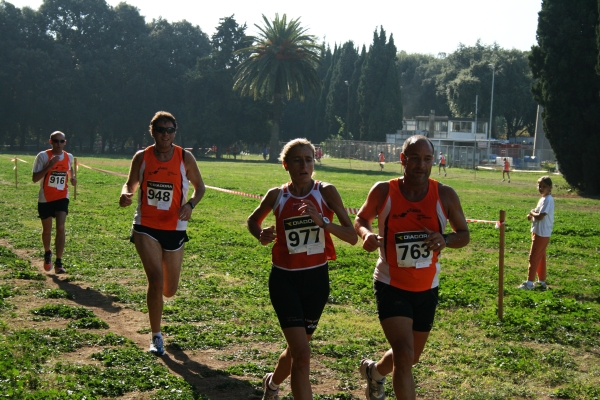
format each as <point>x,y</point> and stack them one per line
<point>491,110</point>
<point>348,109</point>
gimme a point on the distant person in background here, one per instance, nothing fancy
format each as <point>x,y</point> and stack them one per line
<point>163,173</point>
<point>381,160</point>
<point>265,153</point>
<point>506,169</point>
<point>542,222</point>
<point>318,154</point>
<point>228,151</point>
<point>53,168</point>
<point>442,161</point>
<point>299,279</point>
<point>235,150</point>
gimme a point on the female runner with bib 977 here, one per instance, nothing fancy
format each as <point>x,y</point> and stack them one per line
<point>299,279</point>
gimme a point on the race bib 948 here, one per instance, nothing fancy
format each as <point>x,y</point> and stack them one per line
<point>57,180</point>
<point>159,194</point>
<point>302,235</point>
<point>411,250</point>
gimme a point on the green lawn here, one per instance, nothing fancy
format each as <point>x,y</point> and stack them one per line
<point>547,345</point>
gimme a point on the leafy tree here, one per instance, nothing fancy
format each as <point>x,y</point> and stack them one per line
<point>466,73</point>
<point>418,73</point>
<point>567,86</point>
<point>220,115</point>
<point>282,63</point>
<point>338,95</point>
<point>379,104</point>
<point>355,122</point>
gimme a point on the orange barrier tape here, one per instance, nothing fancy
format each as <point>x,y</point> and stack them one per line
<point>349,210</point>
<point>102,170</point>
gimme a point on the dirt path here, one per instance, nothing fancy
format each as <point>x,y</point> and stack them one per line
<point>197,367</point>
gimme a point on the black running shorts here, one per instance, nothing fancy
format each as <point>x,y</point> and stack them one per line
<point>299,297</point>
<point>169,240</point>
<point>49,209</point>
<point>418,306</point>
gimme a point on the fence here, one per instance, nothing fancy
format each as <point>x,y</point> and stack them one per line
<point>457,156</point>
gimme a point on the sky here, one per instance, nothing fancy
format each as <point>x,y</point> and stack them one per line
<point>418,26</point>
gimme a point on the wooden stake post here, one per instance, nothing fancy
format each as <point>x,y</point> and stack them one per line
<point>501,266</point>
<point>75,176</point>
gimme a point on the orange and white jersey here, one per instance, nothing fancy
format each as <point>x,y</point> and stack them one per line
<point>442,159</point>
<point>54,186</point>
<point>404,260</point>
<point>163,189</point>
<point>300,243</point>
<point>381,157</point>
<point>506,165</point>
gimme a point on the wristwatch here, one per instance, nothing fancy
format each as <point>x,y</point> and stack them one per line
<point>326,222</point>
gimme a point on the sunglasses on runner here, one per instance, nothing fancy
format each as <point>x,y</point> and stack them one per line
<point>161,129</point>
<point>58,140</point>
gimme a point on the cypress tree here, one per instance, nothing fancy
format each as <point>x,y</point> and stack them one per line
<point>373,93</point>
<point>337,98</point>
<point>568,87</point>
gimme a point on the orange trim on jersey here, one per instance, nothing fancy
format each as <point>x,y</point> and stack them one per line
<point>285,211</point>
<point>162,191</point>
<point>55,181</point>
<point>411,218</point>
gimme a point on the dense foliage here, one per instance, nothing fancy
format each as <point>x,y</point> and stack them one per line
<point>99,73</point>
<point>449,84</point>
<point>567,86</point>
<point>281,64</point>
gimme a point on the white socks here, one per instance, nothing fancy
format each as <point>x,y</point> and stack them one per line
<point>375,375</point>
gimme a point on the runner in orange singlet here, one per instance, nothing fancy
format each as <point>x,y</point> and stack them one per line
<point>163,173</point>
<point>505,169</point>
<point>412,212</point>
<point>299,279</point>
<point>53,168</point>
<point>381,160</point>
<point>442,161</point>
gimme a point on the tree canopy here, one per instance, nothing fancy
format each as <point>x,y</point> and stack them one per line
<point>568,87</point>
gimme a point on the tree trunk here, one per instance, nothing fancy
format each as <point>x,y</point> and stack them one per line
<point>274,146</point>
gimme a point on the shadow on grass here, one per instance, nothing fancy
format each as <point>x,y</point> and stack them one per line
<point>87,297</point>
<point>214,383</point>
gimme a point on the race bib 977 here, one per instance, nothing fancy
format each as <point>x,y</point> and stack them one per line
<point>411,250</point>
<point>159,194</point>
<point>302,235</point>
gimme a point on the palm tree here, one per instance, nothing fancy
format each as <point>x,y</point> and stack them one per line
<point>282,62</point>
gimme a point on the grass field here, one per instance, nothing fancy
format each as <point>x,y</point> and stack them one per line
<point>84,335</point>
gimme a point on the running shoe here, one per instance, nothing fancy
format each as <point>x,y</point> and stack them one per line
<point>375,389</point>
<point>269,394</point>
<point>525,286</point>
<point>58,267</point>
<point>157,346</point>
<point>541,285</point>
<point>48,260</point>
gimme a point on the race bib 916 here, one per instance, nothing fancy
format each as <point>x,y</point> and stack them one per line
<point>57,180</point>
<point>302,235</point>
<point>159,194</point>
<point>411,250</point>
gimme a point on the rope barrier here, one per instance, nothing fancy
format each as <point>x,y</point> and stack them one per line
<point>103,170</point>
<point>349,210</point>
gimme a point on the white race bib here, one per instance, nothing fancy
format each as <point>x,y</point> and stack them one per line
<point>159,194</point>
<point>411,250</point>
<point>57,180</point>
<point>302,235</point>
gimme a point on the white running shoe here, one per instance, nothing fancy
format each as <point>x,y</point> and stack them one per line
<point>375,389</point>
<point>268,393</point>
<point>157,346</point>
